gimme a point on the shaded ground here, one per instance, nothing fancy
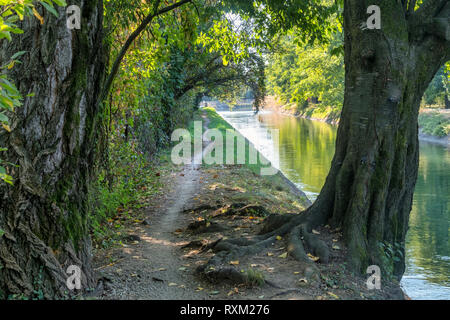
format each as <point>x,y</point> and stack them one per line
<point>169,240</point>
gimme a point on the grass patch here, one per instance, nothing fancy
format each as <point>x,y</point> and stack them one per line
<point>255,278</point>
<point>217,122</point>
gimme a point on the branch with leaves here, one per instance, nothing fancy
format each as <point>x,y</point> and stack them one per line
<point>156,12</point>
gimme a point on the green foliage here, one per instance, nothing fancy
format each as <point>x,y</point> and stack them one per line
<point>119,191</point>
<point>272,17</point>
<point>298,72</point>
<point>446,78</point>
<point>391,254</point>
<point>435,124</point>
<point>437,89</point>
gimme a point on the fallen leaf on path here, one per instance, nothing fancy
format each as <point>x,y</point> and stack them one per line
<point>234,263</point>
<point>162,269</point>
<point>199,289</point>
<point>214,293</point>
<point>279,238</point>
<point>313,258</point>
<point>283,255</point>
<point>315,231</point>
<point>270,254</point>
<point>336,247</point>
<point>333,295</point>
<point>172,284</point>
<point>296,272</point>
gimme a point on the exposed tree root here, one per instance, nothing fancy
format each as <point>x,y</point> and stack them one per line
<point>204,226</point>
<point>296,229</point>
<point>202,207</point>
<point>247,210</point>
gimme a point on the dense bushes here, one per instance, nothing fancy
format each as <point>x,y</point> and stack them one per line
<point>434,124</point>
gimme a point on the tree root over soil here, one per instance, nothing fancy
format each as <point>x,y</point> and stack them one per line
<point>296,229</point>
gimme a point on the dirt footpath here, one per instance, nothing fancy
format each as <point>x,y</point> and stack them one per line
<point>202,205</point>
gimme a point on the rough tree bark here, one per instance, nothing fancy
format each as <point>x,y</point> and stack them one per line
<point>370,187</point>
<point>53,141</point>
<point>368,192</point>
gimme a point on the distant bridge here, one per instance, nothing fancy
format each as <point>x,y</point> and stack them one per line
<point>243,105</point>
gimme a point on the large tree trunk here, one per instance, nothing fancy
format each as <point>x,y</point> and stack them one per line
<point>447,101</point>
<point>53,140</point>
<point>370,187</point>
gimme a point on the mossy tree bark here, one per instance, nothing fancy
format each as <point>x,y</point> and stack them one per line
<point>369,190</point>
<point>53,140</point>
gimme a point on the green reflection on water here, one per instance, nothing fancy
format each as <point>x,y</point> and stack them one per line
<point>306,150</point>
<point>428,240</point>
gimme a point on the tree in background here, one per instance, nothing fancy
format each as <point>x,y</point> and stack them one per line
<point>436,92</point>
<point>298,72</point>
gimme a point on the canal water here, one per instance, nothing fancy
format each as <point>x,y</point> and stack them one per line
<point>304,153</point>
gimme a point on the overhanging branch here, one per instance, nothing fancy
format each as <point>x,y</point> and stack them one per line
<point>132,37</point>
